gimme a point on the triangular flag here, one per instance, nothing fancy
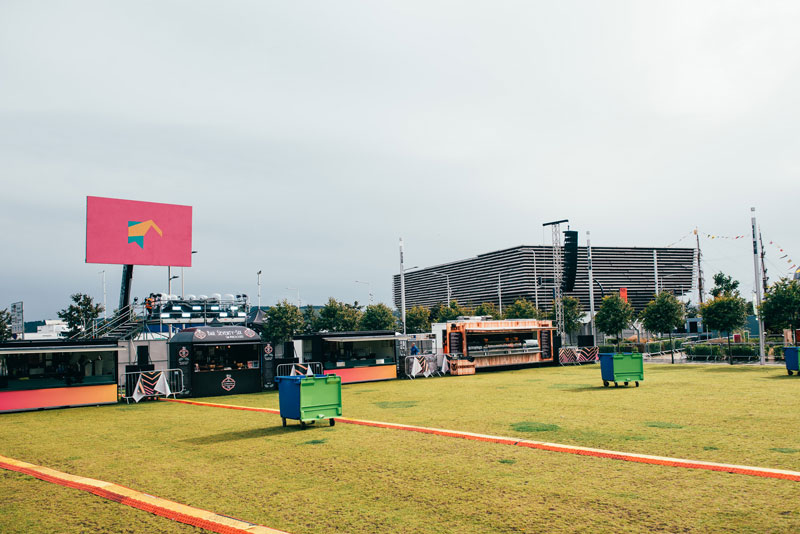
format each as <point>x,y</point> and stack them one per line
<point>416,368</point>
<point>309,370</point>
<point>162,386</point>
<point>294,372</point>
<point>138,391</point>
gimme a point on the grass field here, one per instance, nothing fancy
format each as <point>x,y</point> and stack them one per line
<point>350,478</point>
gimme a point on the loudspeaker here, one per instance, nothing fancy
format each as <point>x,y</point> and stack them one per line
<point>570,260</point>
<point>143,355</point>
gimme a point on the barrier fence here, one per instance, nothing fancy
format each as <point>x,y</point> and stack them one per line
<point>152,384</point>
<point>577,355</point>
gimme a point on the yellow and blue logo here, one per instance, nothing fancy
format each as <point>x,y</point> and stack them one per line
<point>137,230</point>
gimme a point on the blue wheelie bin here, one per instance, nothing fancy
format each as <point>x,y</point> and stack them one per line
<point>790,355</point>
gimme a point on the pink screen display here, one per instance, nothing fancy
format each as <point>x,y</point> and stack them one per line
<point>130,232</point>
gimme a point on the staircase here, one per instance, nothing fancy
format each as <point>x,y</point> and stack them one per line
<point>124,325</point>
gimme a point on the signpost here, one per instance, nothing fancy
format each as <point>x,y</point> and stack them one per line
<point>17,321</point>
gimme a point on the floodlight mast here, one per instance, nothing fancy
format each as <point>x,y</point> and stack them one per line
<point>558,275</point>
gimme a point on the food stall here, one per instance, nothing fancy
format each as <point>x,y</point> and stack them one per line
<point>220,360</point>
<point>36,375</point>
<point>354,356</point>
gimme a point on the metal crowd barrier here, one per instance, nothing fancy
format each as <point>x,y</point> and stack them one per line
<point>577,355</point>
<point>289,369</point>
<point>174,381</point>
<point>427,365</point>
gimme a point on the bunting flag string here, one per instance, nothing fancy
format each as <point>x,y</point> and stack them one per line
<point>681,239</point>
<point>784,255</point>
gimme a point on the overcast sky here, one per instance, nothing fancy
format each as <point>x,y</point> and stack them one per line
<point>310,136</point>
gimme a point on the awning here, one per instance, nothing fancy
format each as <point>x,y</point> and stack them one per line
<point>501,330</point>
<point>351,339</point>
<point>51,350</point>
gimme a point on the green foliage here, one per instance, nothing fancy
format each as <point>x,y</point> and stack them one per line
<point>614,315</point>
<point>5,325</point>
<point>724,286</point>
<point>282,322</point>
<point>488,308</point>
<point>724,313</point>
<point>378,317</point>
<point>692,310</point>
<point>442,313</point>
<point>338,316</point>
<point>80,314</point>
<point>521,309</point>
<point>573,311</point>
<point>663,313</point>
<point>418,320</point>
<point>309,319</point>
<point>781,306</point>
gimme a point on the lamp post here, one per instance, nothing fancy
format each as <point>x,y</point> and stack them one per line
<point>259,288</point>
<point>182,293</point>
<point>298,294</point>
<point>105,307</point>
<point>447,276</point>
<point>369,285</point>
<point>499,295</point>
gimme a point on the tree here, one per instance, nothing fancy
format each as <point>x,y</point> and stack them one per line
<point>725,286</point>
<point>488,308</point>
<point>282,322</point>
<point>309,319</point>
<point>614,316</point>
<point>662,314</point>
<point>5,325</point>
<point>724,313</point>
<point>573,311</point>
<point>338,316</point>
<point>781,306</point>
<point>418,320</point>
<point>442,313</point>
<point>377,317</point>
<point>521,309</point>
<point>80,313</point>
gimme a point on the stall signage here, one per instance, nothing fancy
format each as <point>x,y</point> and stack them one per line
<point>224,334</point>
<point>17,319</point>
<point>228,383</point>
<point>184,356</point>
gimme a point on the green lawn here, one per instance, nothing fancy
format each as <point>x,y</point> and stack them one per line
<point>351,478</point>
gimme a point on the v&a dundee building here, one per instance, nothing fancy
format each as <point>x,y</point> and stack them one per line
<point>526,272</point>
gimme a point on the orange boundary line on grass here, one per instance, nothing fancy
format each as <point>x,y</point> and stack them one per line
<point>155,505</point>
<point>764,472</point>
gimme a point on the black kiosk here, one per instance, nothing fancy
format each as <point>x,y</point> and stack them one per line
<point>221,360</point>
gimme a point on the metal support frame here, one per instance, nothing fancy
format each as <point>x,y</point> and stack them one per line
<point>558,275</point>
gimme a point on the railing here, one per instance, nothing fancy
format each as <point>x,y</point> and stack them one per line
<point>424,365</point>
<point>293,369</point>
<point>577,355</point>
<point>126,317</point>
<point>149,381</point>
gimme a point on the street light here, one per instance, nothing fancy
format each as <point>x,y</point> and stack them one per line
<point>369,284</point>
<point>447,276</point>
<point>298,294</point>
<point>259,289</point>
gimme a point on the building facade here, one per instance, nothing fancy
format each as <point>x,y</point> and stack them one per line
<point>526,272</point>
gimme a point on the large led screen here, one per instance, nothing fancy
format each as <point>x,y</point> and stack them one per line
<point>130,232</point>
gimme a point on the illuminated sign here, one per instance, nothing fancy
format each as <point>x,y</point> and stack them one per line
<point>130,232</point>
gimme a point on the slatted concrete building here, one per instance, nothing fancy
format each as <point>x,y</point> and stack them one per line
<point>512,274</point>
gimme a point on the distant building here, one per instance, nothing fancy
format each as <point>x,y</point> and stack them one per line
<point>512,274</point>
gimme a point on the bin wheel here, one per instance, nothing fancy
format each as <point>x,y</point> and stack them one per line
<point>637,383</point>
<point>616,385</point>
<point>605,383</point>
<point>626,383</point>
<point>302,424</point>
<point>284,421</point>
<point>790,373</point>
<point>332,421</point>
